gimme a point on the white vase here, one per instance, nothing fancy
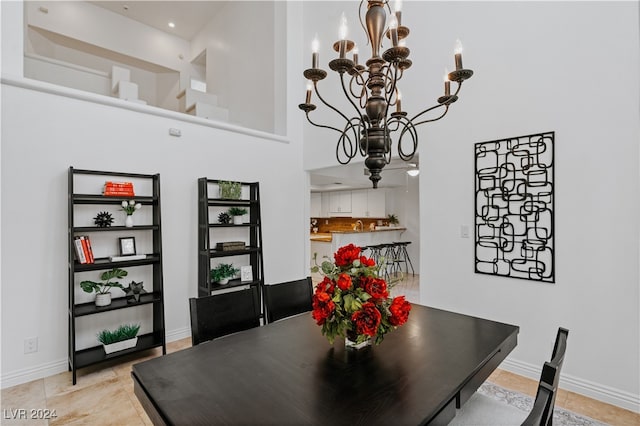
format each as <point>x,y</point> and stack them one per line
<point>237,220</point>
<point>121,345</point>
<point>103,299</point>
<point>128,222</point>
<point>223,281</point>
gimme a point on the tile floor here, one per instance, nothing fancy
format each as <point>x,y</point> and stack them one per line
<point>104,394</point>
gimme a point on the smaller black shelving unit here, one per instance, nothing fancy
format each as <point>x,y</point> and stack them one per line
<point>79,358</point>
<point>210,232</point>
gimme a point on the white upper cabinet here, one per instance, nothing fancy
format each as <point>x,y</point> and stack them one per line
<point>340,203</point>
<point>368,203</point>
<point>316,205</point>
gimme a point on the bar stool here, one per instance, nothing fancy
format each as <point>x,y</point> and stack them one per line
<point>402,256</point>
<point>391,260</point>
<point>377,254</point>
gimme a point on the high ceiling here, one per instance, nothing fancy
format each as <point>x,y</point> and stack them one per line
<point>188,16</point>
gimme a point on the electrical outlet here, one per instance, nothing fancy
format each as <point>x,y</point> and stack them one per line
<point>31,345</point>
<point>464,231</point>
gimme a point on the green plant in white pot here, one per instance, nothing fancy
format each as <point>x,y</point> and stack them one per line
<point>237,213</point>
<point>103,294</point>
<point>123,337</point>
<point>393,219</point>
<point>222,273</point>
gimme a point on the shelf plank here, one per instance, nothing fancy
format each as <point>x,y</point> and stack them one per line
<point>104,263</point>
<point>117,200</point>
<point>90,308</point>
<point>232,225</point>
<point>84,229</point>
<point>96,354</point>
<point>226,253</point>
<point>233,283</point>
<point>228,202</point>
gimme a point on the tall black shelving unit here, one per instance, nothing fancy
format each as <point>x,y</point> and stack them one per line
<point>155,294</point>
<point>209,231</point>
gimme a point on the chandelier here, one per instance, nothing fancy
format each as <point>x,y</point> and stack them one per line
<point>372,89</point>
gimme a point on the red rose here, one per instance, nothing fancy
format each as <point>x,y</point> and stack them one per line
<point>367,319</point>
<point>344,282</point>
<point>399,311</point>
<point>367,261</point>
<point>323,307</point>
<point>346,255</point>
<point>376,287</point>
<point>326,286</point>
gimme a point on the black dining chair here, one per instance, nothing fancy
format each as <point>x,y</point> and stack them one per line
<point>484,410</point>
<point>221,314</point>
<point>288,298</point>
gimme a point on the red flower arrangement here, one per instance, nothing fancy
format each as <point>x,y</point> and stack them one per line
<point>352,301</point>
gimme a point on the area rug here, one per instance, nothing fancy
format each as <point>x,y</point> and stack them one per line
<point>561,417</point>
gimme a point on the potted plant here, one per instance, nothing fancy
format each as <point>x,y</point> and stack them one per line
<point>393,219</point>
<point>123,337</point>
<point>223,272</point>
<point>237,213</point>
<point>103,295</point>
<point>230,190</point>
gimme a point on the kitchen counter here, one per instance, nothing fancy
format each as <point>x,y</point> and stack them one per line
<point>321,237</point>
<point>325,244</point>
<point>378,229</point>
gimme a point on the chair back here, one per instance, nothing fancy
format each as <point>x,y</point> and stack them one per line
<point>542,412</point>
<point>221,314</point>
<point>560,347</point>
<point>288,298</point>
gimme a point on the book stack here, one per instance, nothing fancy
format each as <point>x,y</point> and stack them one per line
<point>84,253</point>
<point>118,189</point>
<point>231,245</point>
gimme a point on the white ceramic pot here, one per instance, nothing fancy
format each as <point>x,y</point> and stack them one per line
<point>128,222</point>
<point>119,346</point>
<point>224,281</point>
<point>103,299</point>
<point>237,220</point>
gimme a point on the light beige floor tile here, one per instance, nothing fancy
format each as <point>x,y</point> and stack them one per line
<point>105,403</point>
<point>61,384</point>
<point>516,383</point>
<point>179,345</point>
<point>128,386</point>
<point>600,411</point>
<point>25,404</point>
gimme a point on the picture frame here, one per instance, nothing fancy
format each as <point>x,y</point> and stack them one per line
<point>246,273</point>
<point>127,246</point>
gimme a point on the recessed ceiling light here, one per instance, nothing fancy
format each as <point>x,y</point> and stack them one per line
<point>413,172</point>
<point>172,25</point>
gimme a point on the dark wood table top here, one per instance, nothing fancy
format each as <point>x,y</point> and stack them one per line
<point>286,373</point>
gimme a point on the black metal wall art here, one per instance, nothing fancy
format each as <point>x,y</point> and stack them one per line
<point>514,207</point>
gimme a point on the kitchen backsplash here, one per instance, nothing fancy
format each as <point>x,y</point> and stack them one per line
<point>329,224</point>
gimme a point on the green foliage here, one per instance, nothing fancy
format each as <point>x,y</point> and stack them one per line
<point>107,276</point>
<point>124,332</point>
<point>393,219</point>
<point>229,189</point>
<point>237,211</point>
<point>222,271</point>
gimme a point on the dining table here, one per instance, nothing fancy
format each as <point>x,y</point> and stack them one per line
<point>287,373</point>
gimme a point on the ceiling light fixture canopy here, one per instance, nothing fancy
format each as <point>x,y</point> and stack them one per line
<point>373,91</point>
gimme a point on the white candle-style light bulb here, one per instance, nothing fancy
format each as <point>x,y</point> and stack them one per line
<point>398,101</point>
<point>398,11</point>
<point>315,47</point>
<point>447,83</point>
<point>342,49</point>
<point>355,54</point>
<point>393,29</point>
<point>344,29</point>
<point>309,88</point>
<point>458,54</point>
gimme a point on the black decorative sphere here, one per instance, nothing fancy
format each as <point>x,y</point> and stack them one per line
<point>224,218</point>
<point>103,219</point>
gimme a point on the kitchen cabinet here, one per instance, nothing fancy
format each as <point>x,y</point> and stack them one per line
<point>316,205</point>
<point>368,203</point>
<point>340,203</point>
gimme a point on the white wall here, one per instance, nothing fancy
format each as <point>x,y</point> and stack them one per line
<point>46,129</point>
<point>539,66</point>
<point>241,62</point>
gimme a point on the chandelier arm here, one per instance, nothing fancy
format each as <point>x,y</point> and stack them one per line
<point>446,110</point>
<point>315,85</point>
<point>346,94</point>
<point>344,138</point>
<point>411,129</point>
<point>359,81</point>
<point>322,126</point>
<point>390,92</point>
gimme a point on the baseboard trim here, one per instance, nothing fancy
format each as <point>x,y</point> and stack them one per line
<point>41,371</point>
<point>593,390</point>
